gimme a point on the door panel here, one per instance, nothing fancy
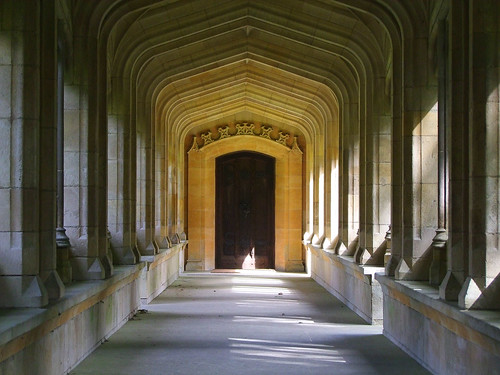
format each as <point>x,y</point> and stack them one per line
<point>244,211</point>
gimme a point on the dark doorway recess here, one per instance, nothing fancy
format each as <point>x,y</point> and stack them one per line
<point>244,211</point>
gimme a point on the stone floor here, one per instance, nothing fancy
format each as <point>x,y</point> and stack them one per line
<point>247,323</point>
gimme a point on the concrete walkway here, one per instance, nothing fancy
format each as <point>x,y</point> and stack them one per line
<point>257,323</point>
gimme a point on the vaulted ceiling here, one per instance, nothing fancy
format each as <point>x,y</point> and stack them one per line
<point>188,65</point>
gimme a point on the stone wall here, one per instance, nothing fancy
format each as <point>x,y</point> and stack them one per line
<point>438,334</point>
<point>55,339</point>
<point>161,270</point>
<point>352,283</point>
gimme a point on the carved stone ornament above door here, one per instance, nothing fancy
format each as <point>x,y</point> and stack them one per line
<point>245,128</point>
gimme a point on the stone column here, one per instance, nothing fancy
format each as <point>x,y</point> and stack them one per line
<point>438,266</point>
<point>457,244</point>
<point>196,217</point>
<point>376,192</point>
<point>417,156</point>
<point>172,176</point>
<point>481,289</point>
<point>51,123</point>
<point>294,259</point>
<point>349,181</point>
<point>319,191</point>
<point>394,236</point>
<point>332,182</point>
<point>121,188</point>
<point>20,233</point>
<point>85,155</point>
<point>309,195</point>
<point>160,186</point>
<point>145,193</point>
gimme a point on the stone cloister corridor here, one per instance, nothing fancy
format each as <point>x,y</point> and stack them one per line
<point>247,323</point>
<point>355,141</point>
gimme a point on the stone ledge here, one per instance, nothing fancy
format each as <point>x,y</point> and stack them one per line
<point>18,323</point>
<point>164,254</point>
<point>352,267</point>
<point>424,299</point>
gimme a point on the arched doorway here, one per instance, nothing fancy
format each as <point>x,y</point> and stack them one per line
<point>245,190</point>
<point>201,197</point>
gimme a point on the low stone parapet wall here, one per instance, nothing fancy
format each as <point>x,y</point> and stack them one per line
<point>161,270</point>
<point>352,283</point>
<point>54,339</point>
<point>442,337</point>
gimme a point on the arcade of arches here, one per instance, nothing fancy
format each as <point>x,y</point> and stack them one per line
<point>380,118</point>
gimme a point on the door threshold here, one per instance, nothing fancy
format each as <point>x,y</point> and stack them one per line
<point>243,271</point>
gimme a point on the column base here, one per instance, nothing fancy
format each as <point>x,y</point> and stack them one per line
<point>23,291</point>
<point>341,249</point>
<point>362,256</point>
<point>194,265</point>
<point>86,268</point>
<point>124,255</point>
<point>150,249</point>
<point>294,266</point>
<point>54,285</point>
<point>107,262</point>
<point>450,287</point>
<point>473,297</point>
<point>391,265</point>
<point>418,271</point>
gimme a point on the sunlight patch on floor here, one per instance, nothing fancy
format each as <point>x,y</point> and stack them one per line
<point>285,352</point>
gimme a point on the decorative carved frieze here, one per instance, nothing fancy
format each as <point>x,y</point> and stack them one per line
<point>283,138</point>
<point>224,132</point>
<point>246,128</point>
<point>265,131</point>
<point>207,137</point>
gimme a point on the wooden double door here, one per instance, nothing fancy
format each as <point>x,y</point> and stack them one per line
<point>244,226</point>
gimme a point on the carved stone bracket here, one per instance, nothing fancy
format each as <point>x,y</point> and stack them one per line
<point>195,146</point>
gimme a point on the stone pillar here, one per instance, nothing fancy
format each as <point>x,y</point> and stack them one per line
<point>145,226</point>
<point>20,202</point>
<point>319,191</point>
<point>481,289</point>
<point>196,207</point>
<point>332,194</point>
<point>294,259</point>
<point>85,158</point>
<point>416,151</point>
<point>458,168</point>
<point>376,188</point>
<point>438,266</point>
<point>309,195</point>
<point>160,173</point>
<point>172,175</point>
<point>396,227</point>
<point>349,205</point>
<point>51,122</point>
<point>121,189</point>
